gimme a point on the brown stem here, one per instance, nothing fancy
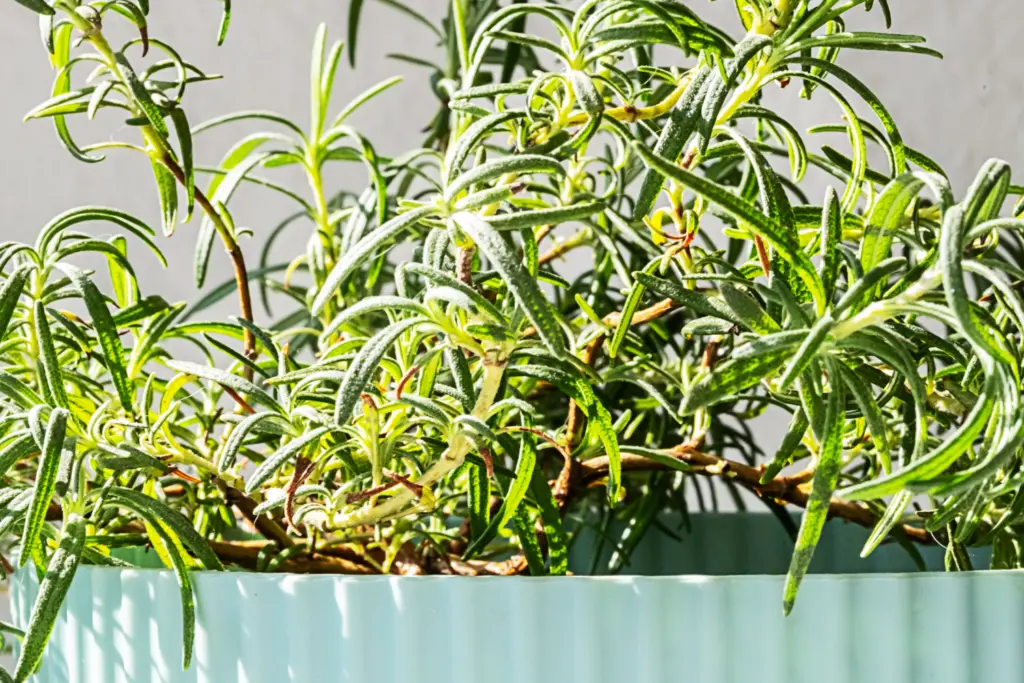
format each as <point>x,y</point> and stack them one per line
<point>264,524</point>
<point>247,554</point>
<point>237,398</point>
<point>790,490</point>
<point>234,252</point>
<point>165,156</point>
<point>574,424</point>
<point>762,255</point>
<point>564,247</point>
<point>464,265</point>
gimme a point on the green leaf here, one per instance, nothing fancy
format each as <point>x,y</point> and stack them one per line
<point>21,446</point>
<point>599,420</point>
<point>511,506</point>
<point>131,457</point>
<point>748,310</point>
<point>167,545</point>
<point>54,588</point>
<point>181,127</point>
<point>745,9</point>
<point>106,332</point>
<point>859,167</point>
<point>680,127</point>
<point>364,97</point>
<point>520,164</point>
<point>46,481</point>
<point>463,378</point>
<point>247,115</point>
<point>359,253</point>
<point>866,40</point>
<point>935,463</point>
<point>142,97</point>
<point>586,93</point>
<point>149,337</point>
<point>167,189</point>
<point>958,297</point>
<point>17,391</point>
<point>783,240</point>
<point>471,138</point>
<point>899,152</point>
<point>355,10</point>
<point>122,278</point>
<point>269,467</point>
<point>49,239</point>
<point>893,513</point>
<point>555,215</point>
<point>788,449</point>
<point>524,476</point>
<point>521,284</point>
<point>373,304</point>
<point>528,542</point>
<point>10,293</point>
<point>826,476</point>
<point>699,303</point>
<point>233,444</point>
<point>140,311</point>
<point>225,22</point>
<point>747,366</point>
<point>636,294</point>
<point>46,26</point>
<point>130,11</point>
<point>987,193</point>
<point>52,376</point>
<point>831,238</point>
<point>479,501</point>
<point>798,154</point>
<point>887,215</point>
<point>807,351</point>
<point>554,531</point>
<point>364,365</point>
<point>61,55</point>
<point>239,384</point>
<point>443,279</point>
<point>860,290</point>
<point>38,6</point>
<point>721,83</point>
<point>150,508</point>
<point>871,411</point>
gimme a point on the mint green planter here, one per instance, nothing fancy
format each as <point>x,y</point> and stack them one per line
<point>125,626</point>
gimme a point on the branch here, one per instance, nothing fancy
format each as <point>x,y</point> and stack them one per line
<point>644,315</point>
<point>785,490</point>
<point>326,562</point>
<point>264,524</point>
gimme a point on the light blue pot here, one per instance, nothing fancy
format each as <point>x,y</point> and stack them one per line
<point>125,626</point>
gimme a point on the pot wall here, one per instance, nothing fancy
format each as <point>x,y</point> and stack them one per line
<point>125,626</point>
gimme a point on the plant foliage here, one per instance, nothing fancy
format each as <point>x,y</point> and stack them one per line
<point>611,268</point>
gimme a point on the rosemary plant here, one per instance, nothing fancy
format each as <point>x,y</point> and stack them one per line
<point>607,275</point>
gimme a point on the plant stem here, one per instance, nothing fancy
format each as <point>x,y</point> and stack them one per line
<point>631,114</point>
<point>880,311</point>
<point>323,227</point>
<point>451,459</point>
<point>162,153</point>
<point>792,490</point>
<point>234,252</point>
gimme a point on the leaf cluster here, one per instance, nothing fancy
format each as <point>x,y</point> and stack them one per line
<point>563,310</point>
